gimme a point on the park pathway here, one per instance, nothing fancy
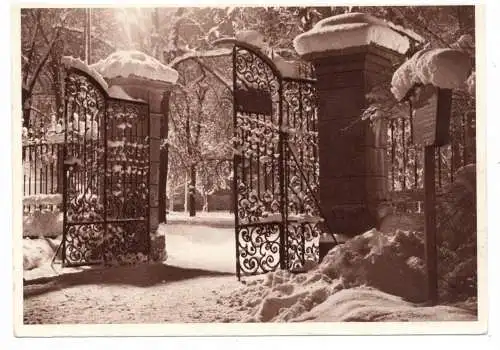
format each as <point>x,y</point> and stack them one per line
<point>144,294</point>
<point>186,288</point>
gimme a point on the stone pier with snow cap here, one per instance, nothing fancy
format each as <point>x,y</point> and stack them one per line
<point>143,77</point>
<point>351,53</point>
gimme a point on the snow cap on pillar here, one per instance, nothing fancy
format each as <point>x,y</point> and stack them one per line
<point>139,75</point>
<point>135,64</point>
<point>351,30</point>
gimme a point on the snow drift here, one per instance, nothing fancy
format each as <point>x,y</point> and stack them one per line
<point>374,259</point>
<point>362,304</point>
<point>43,223</point>
<point>366,279</point>
<point>39,251</point>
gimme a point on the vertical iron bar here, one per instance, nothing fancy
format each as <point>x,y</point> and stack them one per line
<point>464,133</point>
<point>24,171</point>
<point>405,149</point>
<point>235,165</point>
<point>415,168</point>
<point>30,156</point>
<point>103,178</point>
<point>393,151</point>
<point>301,121</point>
<point>52,168</point>
<point>124,163</point>
<point>35,148</point>
<point>47,168</point>
<point>148,181</point>
<point>64,171</point>
<point>258,155</point>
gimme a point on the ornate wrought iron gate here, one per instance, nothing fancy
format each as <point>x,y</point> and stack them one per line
<point>105,186</point>
<point>276,169</point>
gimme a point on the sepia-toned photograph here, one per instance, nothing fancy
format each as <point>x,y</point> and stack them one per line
<point>246,165</point>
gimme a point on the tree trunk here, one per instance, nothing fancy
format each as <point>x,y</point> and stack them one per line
<point>171,203</point>
<point>205,202</point>
<point>192,186</point>
<point>26,97</point>
<point>186,192</point>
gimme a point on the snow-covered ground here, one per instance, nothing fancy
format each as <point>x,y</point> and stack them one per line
<point>212,219</point>
<point>200,246</point>
<point>361,280</point>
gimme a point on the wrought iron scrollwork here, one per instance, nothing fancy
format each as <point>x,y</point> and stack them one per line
<point>106,190</point>
<point>83,244</point>
<point>259,248</point>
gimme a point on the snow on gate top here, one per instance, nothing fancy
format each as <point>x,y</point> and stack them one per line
<point>135,63</point>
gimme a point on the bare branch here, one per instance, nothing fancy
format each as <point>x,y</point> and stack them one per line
<point>42,62</point>
<point>412,20</point>
<point>32,48</point>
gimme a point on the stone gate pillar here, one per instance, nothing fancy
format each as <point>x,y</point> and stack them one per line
<point>145,78</point>
<point>351,53</point>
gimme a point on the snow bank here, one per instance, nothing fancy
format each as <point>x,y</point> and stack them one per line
<point>349,30</point>
<point>382,261</point>
<point>37,252</point>
<point>43,223</point>
<point>281,296</point>
<point>135,63</point>
<point>43,199</point>
<point>444,68</point>
<point>363,304</point>
<point>366,279</point>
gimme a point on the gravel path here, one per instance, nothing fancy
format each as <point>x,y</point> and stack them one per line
<point>142,294</point>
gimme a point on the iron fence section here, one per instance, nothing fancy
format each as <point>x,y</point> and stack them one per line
<point>405,159</point>
<point>42,174</point>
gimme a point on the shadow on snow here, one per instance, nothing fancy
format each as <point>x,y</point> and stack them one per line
<point>145,275</point>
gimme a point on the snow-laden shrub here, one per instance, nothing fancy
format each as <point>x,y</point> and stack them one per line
<point>382,261</point>
<point>457,234</point>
